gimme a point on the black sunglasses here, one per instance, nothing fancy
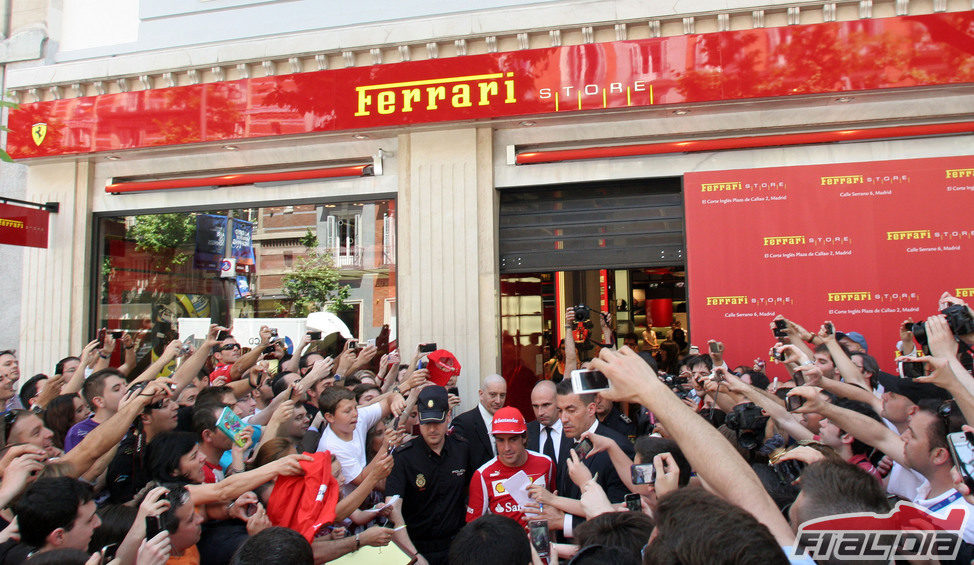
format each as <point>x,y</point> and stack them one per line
<point>945,409</point>
<point>9,418</point>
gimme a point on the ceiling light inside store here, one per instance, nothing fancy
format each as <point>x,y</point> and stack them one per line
<point>230,147</point>
<point>112,157</point>
<point>361,136</point>
<point>844,99</point>
<point>528,123</point>
<point>681,112</point>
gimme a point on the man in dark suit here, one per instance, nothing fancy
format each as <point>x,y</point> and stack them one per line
<point>577,412</point>
<point>473,424</point>
<point>545,433</point>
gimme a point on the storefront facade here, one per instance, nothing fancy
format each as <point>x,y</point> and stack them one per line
<point>451,128</point>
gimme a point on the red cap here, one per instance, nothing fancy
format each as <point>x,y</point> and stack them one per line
<point>508,420</point>
<point>442,365</point>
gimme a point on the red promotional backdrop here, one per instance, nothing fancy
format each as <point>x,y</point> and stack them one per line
<point>865,245</point>
<point>867,54</point>
<point>23,226</point>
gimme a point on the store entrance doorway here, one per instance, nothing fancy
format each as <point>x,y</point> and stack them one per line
<point>644,308</point>
<point>614,246</point>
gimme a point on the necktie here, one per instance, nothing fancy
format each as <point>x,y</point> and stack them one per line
<point>549,445</point>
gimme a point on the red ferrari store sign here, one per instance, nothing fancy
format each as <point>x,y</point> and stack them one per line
<point>869,54</point>
<point>23,226</point>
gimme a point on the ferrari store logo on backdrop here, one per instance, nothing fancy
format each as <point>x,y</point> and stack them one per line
<point>960,173</point>
<point>803,240</point>
<point>38,132</point>
<point>929,234</point>
<point>868,296</point>
<point>843,179</point>
<point>907,234</point>
<point>964,292</point>
<point>838,180</point>
<point>725,300</point>
<point>730,186</point>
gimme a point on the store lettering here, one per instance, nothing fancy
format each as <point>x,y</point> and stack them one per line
<point>964,292</point>
<point>7,223</point>
<point>908,234</point>
<point>591,89</point>
<point>959,173</point>
<point>725,300</point>
<point>432,94</point>
<point>842,179</point>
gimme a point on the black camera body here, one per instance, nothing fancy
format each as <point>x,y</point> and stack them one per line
<point>749,422</point>
<point>582,312</point>
<point>958,318</point>
<point>676,382</point>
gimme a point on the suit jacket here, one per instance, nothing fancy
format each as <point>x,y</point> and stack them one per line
<point>599,463</point>
<point>470,426</point>
<point>534,443</point>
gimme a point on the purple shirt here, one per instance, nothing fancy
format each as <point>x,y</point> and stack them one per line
<point>78,433</point>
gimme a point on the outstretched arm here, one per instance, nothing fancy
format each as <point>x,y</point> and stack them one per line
<point>716,461</point>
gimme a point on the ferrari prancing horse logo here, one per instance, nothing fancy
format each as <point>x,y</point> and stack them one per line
<point>38,132</point>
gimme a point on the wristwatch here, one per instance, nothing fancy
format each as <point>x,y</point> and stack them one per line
<point>358,543</point>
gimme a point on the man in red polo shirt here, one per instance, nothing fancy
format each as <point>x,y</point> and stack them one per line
<point>488,493</point>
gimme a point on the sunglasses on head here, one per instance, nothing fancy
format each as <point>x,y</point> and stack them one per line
<point>944,411</point>
<point>9,418</point>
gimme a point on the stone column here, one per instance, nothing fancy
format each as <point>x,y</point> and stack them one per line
<point>448,262</point>
<point>57,280</point>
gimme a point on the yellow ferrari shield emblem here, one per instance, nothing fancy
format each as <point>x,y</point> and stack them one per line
<point>429,404</point>
<point>38,132</point>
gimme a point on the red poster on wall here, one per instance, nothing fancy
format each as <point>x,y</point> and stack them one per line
<point>865,245</point>
<point>23,226</point>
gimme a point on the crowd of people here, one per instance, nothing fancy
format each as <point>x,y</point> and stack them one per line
<point>257,456</point>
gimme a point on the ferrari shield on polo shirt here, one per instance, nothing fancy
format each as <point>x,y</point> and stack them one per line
<point>490,484</point>
<point>501,502</point>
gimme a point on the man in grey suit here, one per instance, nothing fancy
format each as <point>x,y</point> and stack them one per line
<point>473,424</point>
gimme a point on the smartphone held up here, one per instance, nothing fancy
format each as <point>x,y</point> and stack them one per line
<point>587,381</point>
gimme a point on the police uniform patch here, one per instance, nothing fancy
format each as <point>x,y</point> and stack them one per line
<point>420,481</point>
<point>430,403</point>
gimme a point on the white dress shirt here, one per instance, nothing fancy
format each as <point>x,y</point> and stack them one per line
<point>488,421</point>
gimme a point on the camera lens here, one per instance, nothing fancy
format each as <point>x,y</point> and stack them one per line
<point>919,330</point>
<point>581,313</point>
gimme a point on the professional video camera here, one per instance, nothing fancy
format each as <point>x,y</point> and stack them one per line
<point>676,384</point>
<point>749,423</point>
<point>958,318</point>
<point>787,471</point>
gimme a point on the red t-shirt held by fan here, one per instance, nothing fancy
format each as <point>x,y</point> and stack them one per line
<point>306,502</point>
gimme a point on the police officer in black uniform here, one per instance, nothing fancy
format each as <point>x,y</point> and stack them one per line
<point>621,423</point>
<point>432,475</point>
